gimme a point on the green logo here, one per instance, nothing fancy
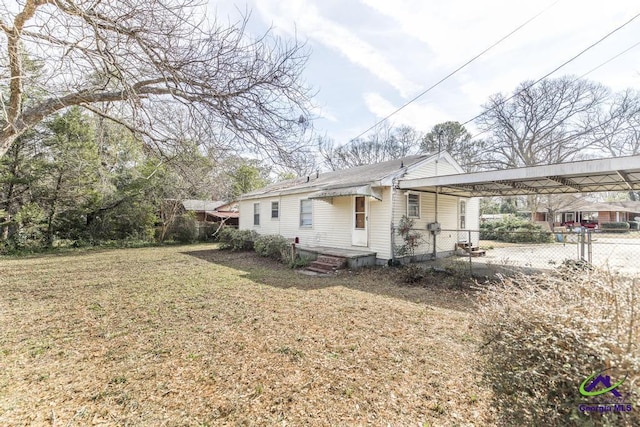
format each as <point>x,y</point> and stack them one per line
<point>605,380</point>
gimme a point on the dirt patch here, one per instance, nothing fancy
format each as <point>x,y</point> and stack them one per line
<point>196,336</point>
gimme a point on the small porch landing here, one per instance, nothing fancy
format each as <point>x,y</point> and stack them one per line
<point>354,258</point>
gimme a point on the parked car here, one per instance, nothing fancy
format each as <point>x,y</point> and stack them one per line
<point>584,223</point>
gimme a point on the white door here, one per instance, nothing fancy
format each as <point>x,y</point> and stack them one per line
<point>360,219</point>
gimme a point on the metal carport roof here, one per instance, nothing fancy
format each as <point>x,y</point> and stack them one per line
<point>613,174</point>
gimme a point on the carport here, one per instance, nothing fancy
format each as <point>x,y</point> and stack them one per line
<point>612,174</point>
<point>588,176</point>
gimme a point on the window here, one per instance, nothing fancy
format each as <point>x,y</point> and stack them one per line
<point>256,214</point>
<point>361,214</point>
<point>463,214</point>
<point>413,205</point>
<point>275,210</point>
<point>306,213</point>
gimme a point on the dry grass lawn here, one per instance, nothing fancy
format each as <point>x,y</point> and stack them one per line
<point>194,336</point>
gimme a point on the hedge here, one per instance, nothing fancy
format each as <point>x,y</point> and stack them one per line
<point>514,230</point>
<point>615,227</point>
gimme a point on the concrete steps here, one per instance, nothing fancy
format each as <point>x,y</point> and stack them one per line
<point>327,264</point>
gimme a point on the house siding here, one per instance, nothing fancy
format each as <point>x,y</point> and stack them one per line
<point>332,221</point>
<point>435,168</point>
<point>380,225</point>
<point>448,217</point>
<point>473,213</point>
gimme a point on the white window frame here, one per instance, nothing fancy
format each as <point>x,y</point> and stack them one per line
<point>409,196</point>
<point>256,214</point>
<point>462,216</point>
<point>310,203</point>
<point>277,210</point>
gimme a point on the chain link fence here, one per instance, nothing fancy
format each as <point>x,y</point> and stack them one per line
<point>487,253</point>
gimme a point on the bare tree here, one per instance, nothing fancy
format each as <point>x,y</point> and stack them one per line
<point>541,124</point>
<point>616,130</point>
<point>385,143</point>
<point>120,58</point>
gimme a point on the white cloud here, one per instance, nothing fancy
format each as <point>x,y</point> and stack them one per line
<point>408,45</point>
<point>419,116</point>
<point>297,17</point>
<point>457,30</point>
<point>324,113</point>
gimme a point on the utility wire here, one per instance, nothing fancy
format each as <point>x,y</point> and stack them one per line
<point>421,94</point>
<point>608,60</point>
<point>556,69</point>
<point>576,79</point>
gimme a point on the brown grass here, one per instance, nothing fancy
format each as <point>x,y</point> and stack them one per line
<point>195,336</point>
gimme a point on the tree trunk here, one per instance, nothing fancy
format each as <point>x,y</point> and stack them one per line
<point>52,211</point>
<point>10,207</point>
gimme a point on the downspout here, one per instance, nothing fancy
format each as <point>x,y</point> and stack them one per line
<point>392,190</point>
<point>280,214</point>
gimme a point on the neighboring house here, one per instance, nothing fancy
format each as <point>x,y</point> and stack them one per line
<point>211,210</point>
<point>358,208</point>
<point>580,211</point>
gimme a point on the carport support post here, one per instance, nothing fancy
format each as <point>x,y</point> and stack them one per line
<point>470,256</point>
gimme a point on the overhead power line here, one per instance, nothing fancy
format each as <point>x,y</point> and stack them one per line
<point>421,94</point>
<point>576,79</point>
<point>591,46</point>
<point>609,60</point>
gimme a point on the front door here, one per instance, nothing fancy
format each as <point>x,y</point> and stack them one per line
<point>359,234</point>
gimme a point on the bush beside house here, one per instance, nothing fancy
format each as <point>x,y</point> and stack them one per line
<point>273,246</point>
<point>237,240</point>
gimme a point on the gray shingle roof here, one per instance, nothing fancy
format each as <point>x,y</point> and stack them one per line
<point>570,203</point>
<point>359,175</point>
<point>202,205</point>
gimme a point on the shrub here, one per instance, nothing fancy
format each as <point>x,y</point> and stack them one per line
<point>273,246</point>
<point>185,229</point>
<point>634,225</point>
<point>411,237</point>
<point>237,240</point>
<point>299,262</point>
<point>615,227</point>
<point>29,226</point>
<point>544,335</point>
<point>514,230</point>
<point>412,274</point>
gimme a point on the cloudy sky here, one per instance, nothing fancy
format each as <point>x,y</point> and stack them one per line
<point>369,57</point>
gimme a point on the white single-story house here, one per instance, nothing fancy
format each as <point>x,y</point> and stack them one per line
<point>359,209</point>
